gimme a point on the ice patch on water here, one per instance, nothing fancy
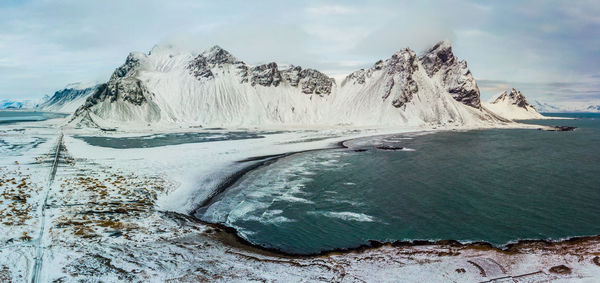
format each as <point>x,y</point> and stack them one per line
<point>346,215</point>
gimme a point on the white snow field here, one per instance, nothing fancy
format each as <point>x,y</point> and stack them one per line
<point>120,215</point>
<point>73,212</point>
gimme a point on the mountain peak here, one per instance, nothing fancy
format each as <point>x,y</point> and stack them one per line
<point>217,55</point>
<point>216,48</point>
<point>441,45</point>
<point>440,53</point>
<point>512,104</point>
<point>514,97</point>
<point>440,61</point>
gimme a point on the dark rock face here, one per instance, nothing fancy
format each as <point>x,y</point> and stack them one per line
<point>398,81</point>
<point>218,55</point>
<point>308,80</point>
<point>515,97</point>
<point>313,81</point>
<point>562,128</point>
<point>401,67</point>
<point>131,63</point>
<point>265,75</point>
<point>389,147</point>
<point>438,57</point>
<point>455,75</point>
<point>123,85</point>
<point>560,269</point>
<point>201,66</point>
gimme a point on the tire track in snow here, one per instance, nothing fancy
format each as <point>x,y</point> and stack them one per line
<point>39,253</point>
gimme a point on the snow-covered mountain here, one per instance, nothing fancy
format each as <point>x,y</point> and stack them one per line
<point>27,104</point>
<point>579,108</point>
<point>543,107</point>
<point>70,98</point>
<point>514,106</point>
<point>170,87</point>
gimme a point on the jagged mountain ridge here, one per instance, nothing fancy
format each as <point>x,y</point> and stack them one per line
<point>513,105</point>
<point>68,99</point>
<point>214,88</point>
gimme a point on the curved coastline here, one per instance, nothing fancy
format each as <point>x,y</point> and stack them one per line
<point>232,236</point>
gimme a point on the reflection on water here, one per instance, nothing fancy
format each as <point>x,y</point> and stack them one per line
<point>172,138</point>
<point>9,117</point>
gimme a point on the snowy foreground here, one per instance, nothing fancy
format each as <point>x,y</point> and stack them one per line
<point>74,212</point>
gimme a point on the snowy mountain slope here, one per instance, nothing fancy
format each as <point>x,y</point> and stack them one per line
<point>514,106</point>
<point>169,87</point>
<point>70,98</point>
<point>8,104</point>
<point>210,89</point>
<point>401,90</point>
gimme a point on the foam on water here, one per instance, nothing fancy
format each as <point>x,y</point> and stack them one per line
<point>496,186</point>
<point>346,215</point>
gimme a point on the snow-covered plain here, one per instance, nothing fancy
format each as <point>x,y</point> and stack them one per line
<point>72,211</point>
<point>118,215</point>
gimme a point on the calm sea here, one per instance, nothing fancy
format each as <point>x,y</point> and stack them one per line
<point>8,117</point>
<point>496,186</point>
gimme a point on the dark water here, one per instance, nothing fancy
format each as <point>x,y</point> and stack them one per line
<point>9,117</point>
<point>170,139</point>
<point>490,185</point>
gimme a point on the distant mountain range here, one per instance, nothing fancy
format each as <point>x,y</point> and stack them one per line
<point>66,100</point>
<point>9,104</point>
<point>70,98</point>
<point>171,87</point>
<point>549,108</point>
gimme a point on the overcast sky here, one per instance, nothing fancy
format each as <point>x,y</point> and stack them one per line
<point>548,49</point>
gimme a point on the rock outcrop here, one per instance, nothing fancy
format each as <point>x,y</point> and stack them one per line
<point>440,62</point>
<point>396,77</point>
